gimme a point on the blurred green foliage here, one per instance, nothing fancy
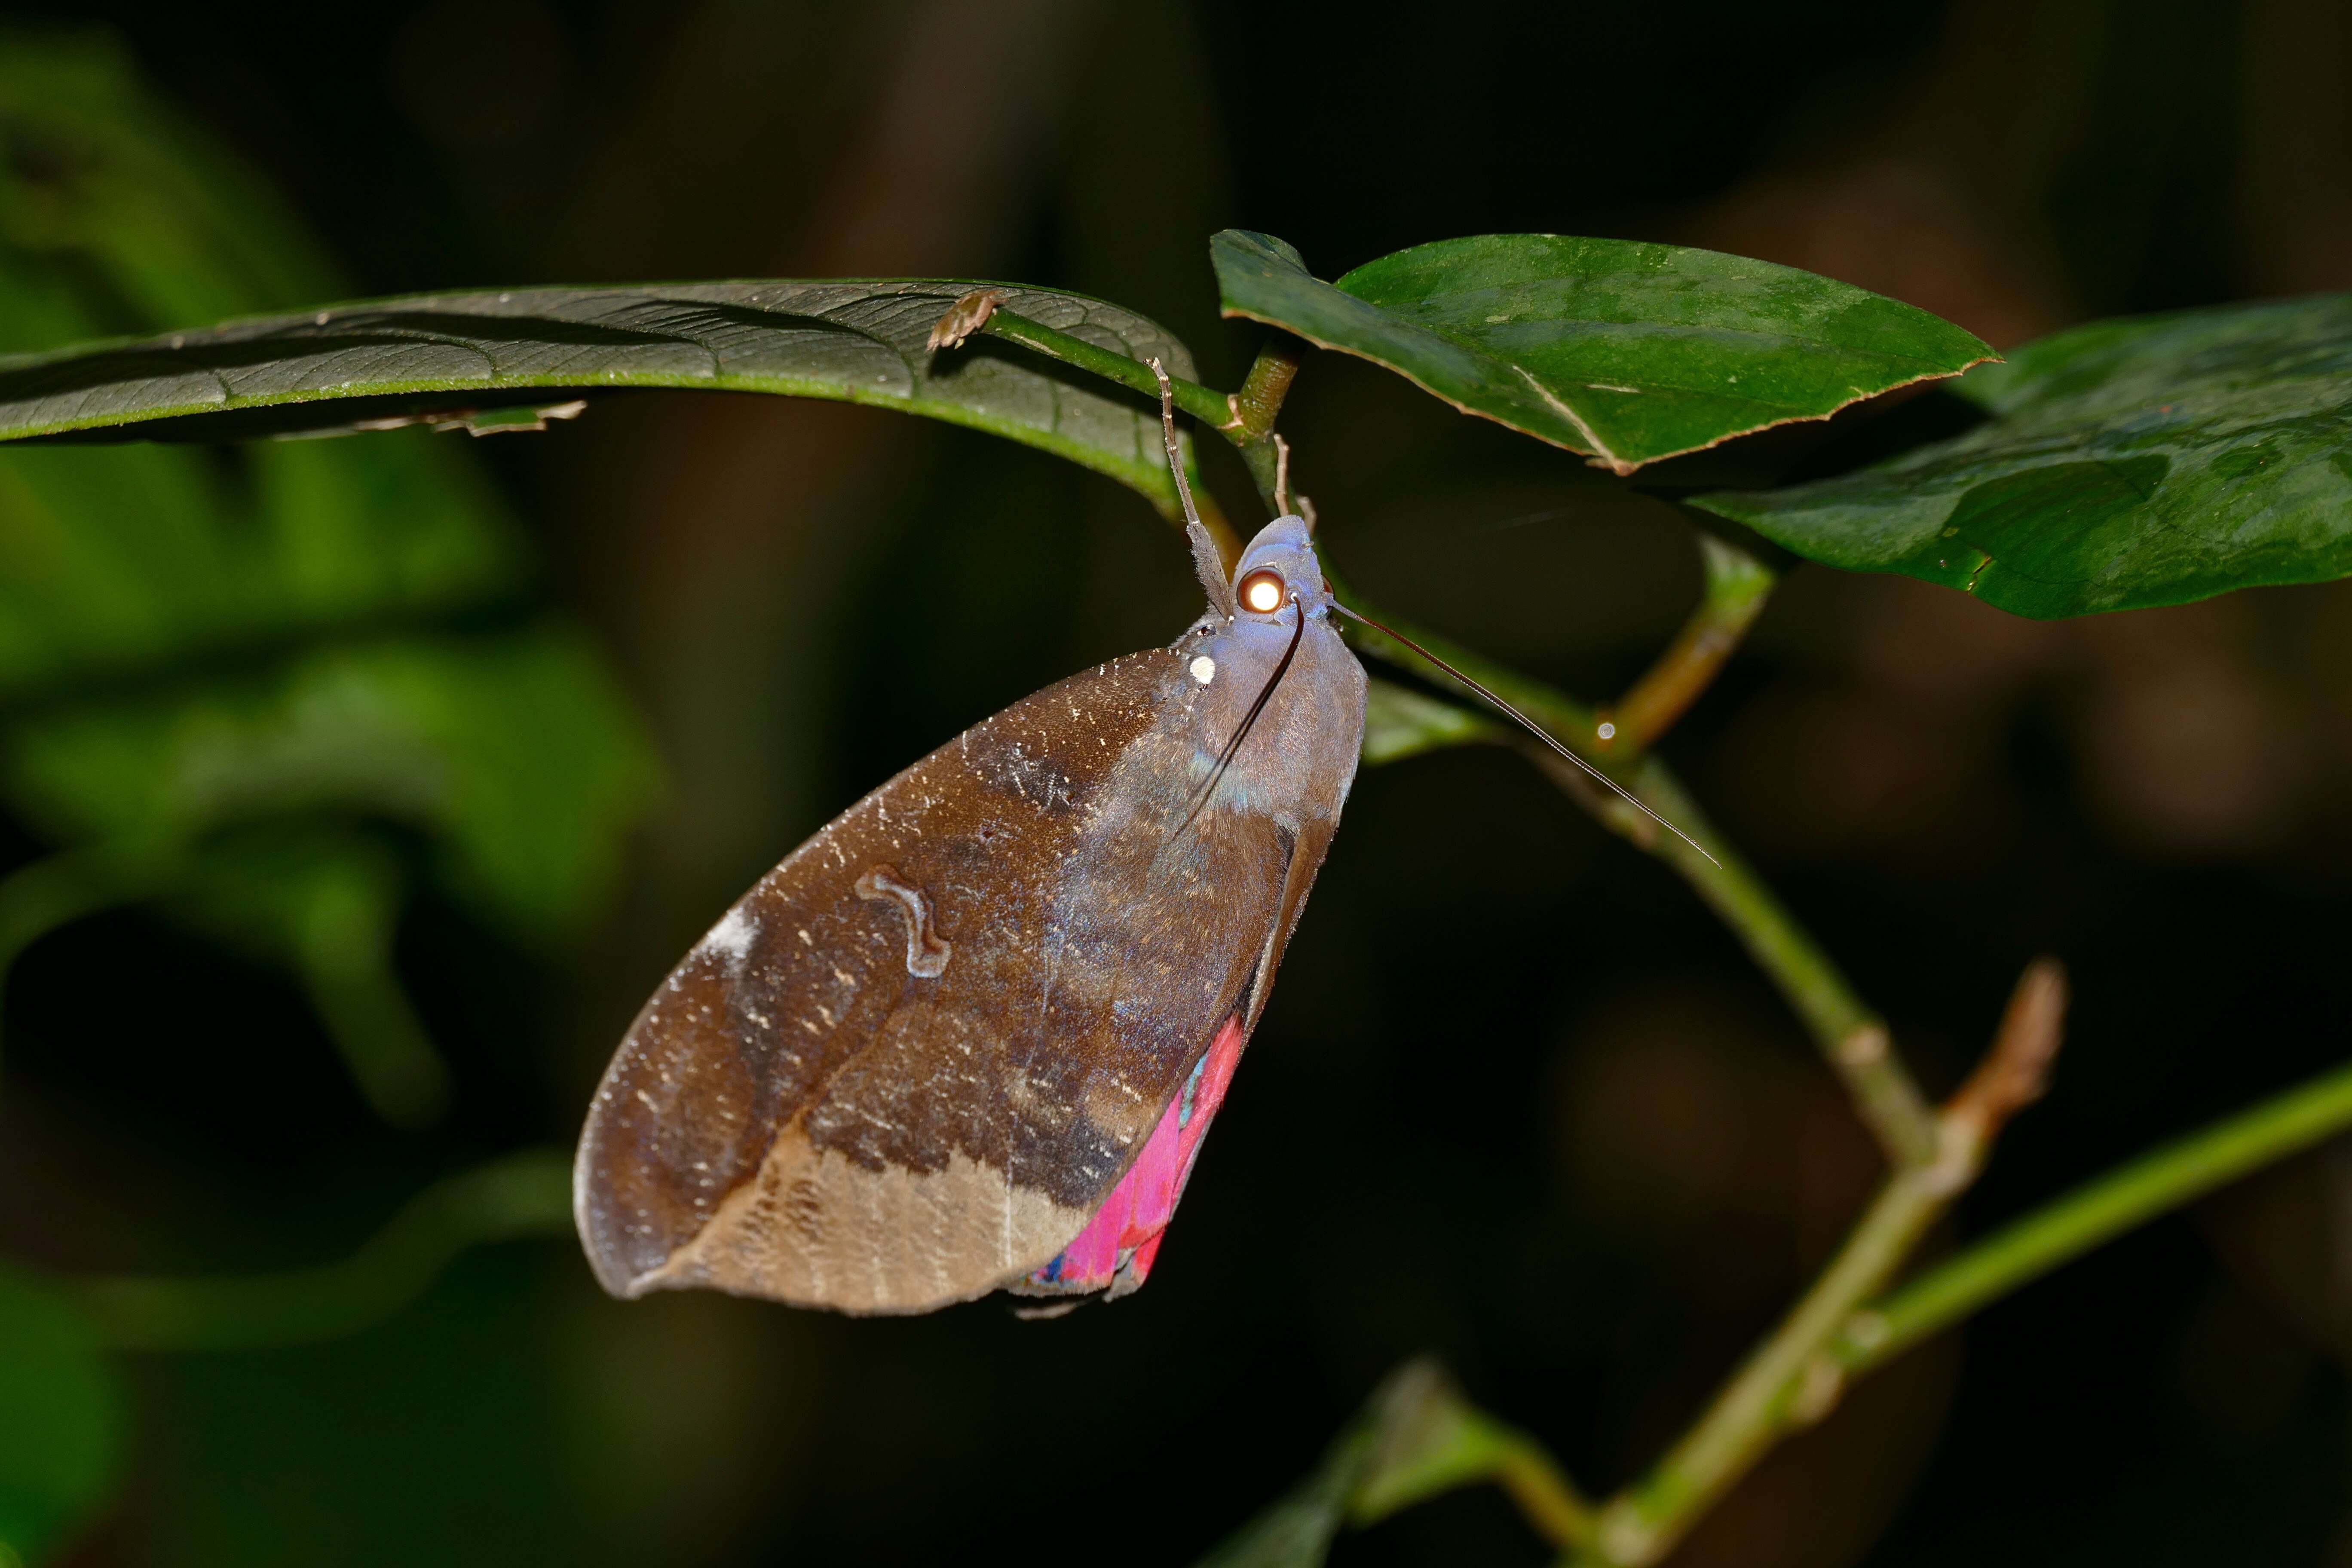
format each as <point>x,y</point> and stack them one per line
<point>241,684</point>
<point>266,691</point>
<point>63,1434</point>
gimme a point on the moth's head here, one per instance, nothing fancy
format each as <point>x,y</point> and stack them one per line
<point>1279,565</point>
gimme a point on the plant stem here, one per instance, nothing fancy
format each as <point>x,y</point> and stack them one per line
<point>1564,717</point>
<point>1849,1034</point>
<point>1852,1038</point>
<point>1791,1380</point>
<point>1543,1493</point>
<point>1245,418</point>
<point>525,1194</point>
<point>2096,1213</point>
<point>1737,584</point>
<point>1252,411</point>
<point>1203,403</point>
<point>1427,1437</point>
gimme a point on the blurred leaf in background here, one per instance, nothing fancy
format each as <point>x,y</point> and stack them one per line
<point>242,685</point>
<point>64,1419</point>
<point>272,693</point>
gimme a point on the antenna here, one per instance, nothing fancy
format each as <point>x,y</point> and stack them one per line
<point>1532,727</point>
<point>1206,560</point>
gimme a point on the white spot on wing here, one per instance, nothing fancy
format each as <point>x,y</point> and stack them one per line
<point>1204,670</point>
<point>730,938</point>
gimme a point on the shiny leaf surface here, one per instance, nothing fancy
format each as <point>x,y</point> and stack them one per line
<point>2149,460</point>
<point>1625,352</point>
<point>462,359</point>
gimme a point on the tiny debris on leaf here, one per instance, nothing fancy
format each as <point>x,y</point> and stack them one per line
<point>473,421</point>
<point>965,317</point>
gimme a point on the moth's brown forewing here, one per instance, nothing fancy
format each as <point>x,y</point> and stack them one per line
<point>911,1062</point>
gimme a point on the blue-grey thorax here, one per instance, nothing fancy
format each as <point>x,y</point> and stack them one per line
<point>1299,756</point>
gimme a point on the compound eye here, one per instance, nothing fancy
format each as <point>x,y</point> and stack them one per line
<point>1261,592</point>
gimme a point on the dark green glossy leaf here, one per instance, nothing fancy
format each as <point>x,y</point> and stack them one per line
<point>1625,352</point>
<point>387,362</point>
<point>63,1438</point>
<point>2149,460</point>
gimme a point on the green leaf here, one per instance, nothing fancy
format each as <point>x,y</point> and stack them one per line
<point>510,753</point>
<point>159,220</point>
<point>2149,460</point>
<point>1297,1530</point>
<point>1625,352</point>
<point>362,366</point>
<point>1400,722</point>
<point>64,1435</point>
<point>115,564</point>
<point>1416,1437</point>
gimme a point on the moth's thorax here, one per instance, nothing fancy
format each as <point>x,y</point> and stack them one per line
<point>1299,756</point>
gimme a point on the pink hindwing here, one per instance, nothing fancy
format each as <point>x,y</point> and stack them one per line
<point>1116,1250</point>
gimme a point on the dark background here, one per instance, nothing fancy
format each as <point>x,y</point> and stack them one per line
<point>1518,1099</point>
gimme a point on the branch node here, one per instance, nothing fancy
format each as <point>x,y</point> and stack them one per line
<point>1626,1538</point>
<point>2016,1072</point>
<point>1866,1330</point>
<point>1865,1046</point>
<point>1819,1387</point>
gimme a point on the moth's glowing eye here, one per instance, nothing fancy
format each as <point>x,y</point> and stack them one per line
<point>1262,591</point>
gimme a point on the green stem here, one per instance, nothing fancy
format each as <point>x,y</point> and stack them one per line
<point>1256,406</point>
<point>1737,584</point>
<point>526,1193</point>
<point>1203,403</point>
<point>1755,1409</point>
<point>1849,1034</point>
<point>2096,1214</point>
<point>1249,426</point>
<point>1428,1438</point>
<point>344,947</point>
<point>1245,418</point>
<point>1794,1376</point>
<point>1567,719</point>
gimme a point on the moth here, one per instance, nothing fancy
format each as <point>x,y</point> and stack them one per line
<point>969,1036</point>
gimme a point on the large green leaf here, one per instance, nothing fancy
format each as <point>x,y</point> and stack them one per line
<point>1625,352</point>
<point>2149,460</point>
<point>63,1420</point>
<point>856,341</point>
